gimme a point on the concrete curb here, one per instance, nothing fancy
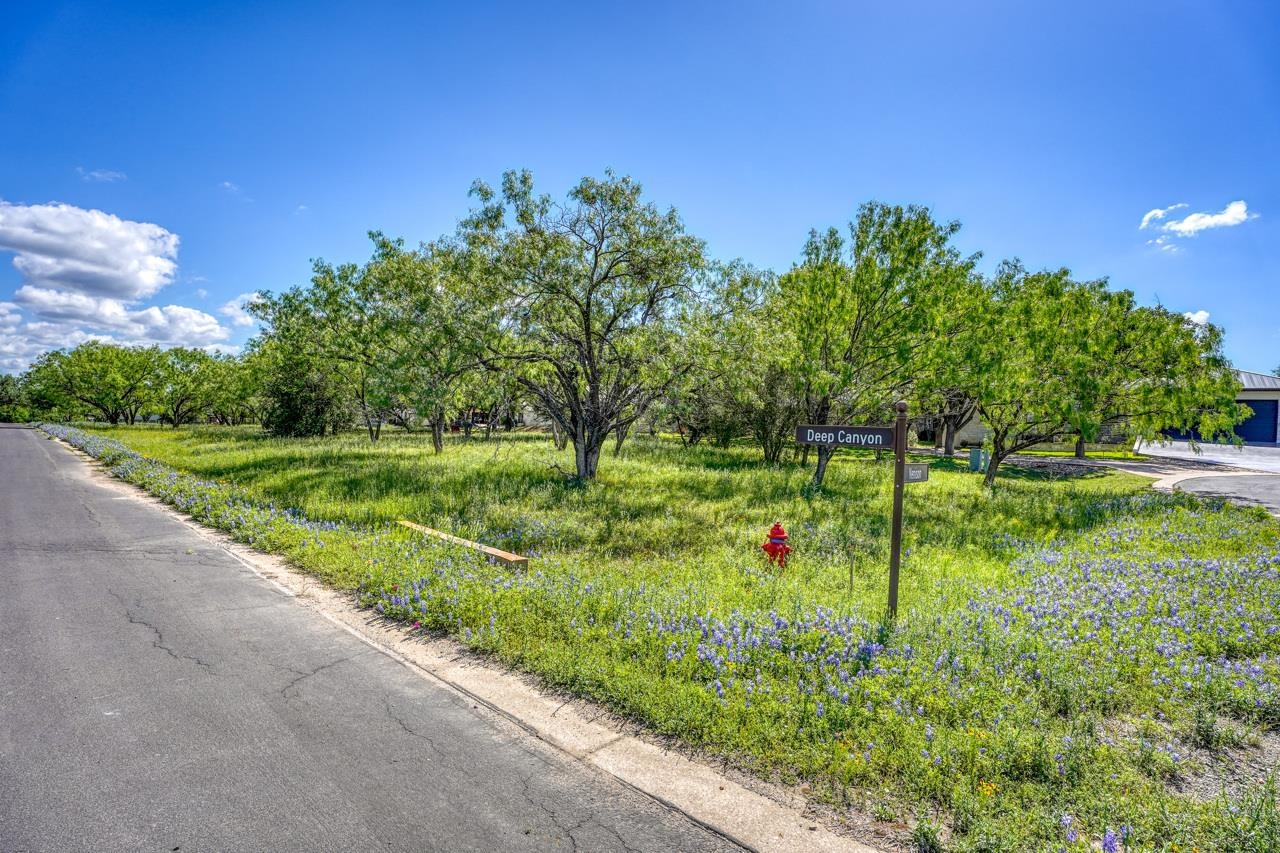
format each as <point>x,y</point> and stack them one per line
<point>752,819</point>
<point>1170,483</point>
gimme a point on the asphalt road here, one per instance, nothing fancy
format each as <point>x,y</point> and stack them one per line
<point>1257,490</point>
<point>155,694</point>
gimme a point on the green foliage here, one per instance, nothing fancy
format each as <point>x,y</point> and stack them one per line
<point>236,389</point>
<point>588,298</point>
<point>184,384</point>
<point>301,397</point>
<point>1251,826</point>
<point>740,386</point>
<point>925,837</point>
<point>118,384</point>
<point>1052,355</point>
<point>338,352</point>
<point>13,400</point>
<point>435,326</point>
<point>108,381</point>
<point>861,331</point>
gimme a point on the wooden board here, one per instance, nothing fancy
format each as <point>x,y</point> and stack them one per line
<point>504,557</point>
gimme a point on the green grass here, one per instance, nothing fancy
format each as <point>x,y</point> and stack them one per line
<point>661,512</point>
<point>1107,452</point>
<point>1065,647</point>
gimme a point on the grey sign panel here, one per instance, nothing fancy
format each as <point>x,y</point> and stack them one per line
<point>917,472</point>
<point>832,435</point>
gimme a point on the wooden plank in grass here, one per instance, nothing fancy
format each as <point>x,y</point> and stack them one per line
<point>504,557</point>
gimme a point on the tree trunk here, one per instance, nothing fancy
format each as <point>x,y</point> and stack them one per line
<point>824,456</point>
<point>559,436</point>
<point>619,436</point>
<point>998,454</point>
<point>437,435</point>
<point>940,436</point>
<point>992,465</point>
<point>586,457</point>
<point>949,446</point>
<point>1080,446</point>
<point>771,443</point>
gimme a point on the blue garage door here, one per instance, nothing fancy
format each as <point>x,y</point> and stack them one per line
<point>1261,426</point>
<point>1258,428</point>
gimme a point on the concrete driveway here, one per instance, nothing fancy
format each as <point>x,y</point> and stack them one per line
<point>1249,458</point>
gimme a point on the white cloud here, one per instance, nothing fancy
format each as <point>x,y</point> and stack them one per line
<point>85,273</point>
<point>176,324</point>
<point>1159,213</point>
<point>235,309</point>
<point>201,293</point>
<point>233,189</point>
<point>170,324</point>
<point>1197,318</point>
<point>9,318</point>
<point>301,209</point>
<point>24,345</point>
<point>61,246</point>
<point>1233,214</point>
<point>105,176</point>
<point>21,343</point>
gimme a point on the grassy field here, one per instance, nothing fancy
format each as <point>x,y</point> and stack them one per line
<point>1078,663</point>
<point>1108,452</point>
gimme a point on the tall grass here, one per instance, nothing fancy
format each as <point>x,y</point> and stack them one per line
<point>660,512</point>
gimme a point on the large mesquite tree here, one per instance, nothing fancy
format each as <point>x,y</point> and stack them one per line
<point>588,295</point>
<point>1052,355</point>
<point>336,322</point>
<point>863,327</point>
<point>113,381</point>
<point>183,386</point>
<point>433,325</point>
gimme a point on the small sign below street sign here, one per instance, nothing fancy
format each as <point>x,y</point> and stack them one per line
<point>917,472</point>
<point>831,435</point>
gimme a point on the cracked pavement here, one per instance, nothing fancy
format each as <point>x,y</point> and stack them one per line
<point>156,694</point>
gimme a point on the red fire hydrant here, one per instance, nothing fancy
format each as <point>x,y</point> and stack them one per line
<point>777,547</point>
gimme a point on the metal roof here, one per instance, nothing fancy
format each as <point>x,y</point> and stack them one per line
<point>1258,381</point>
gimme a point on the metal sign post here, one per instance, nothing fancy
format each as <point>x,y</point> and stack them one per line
<point>899,480</point>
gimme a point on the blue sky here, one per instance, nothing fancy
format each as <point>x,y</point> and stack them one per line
<point>160,160</point>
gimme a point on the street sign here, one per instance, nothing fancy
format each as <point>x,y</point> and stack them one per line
<point>917,472</point>
<point>831,435</point>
